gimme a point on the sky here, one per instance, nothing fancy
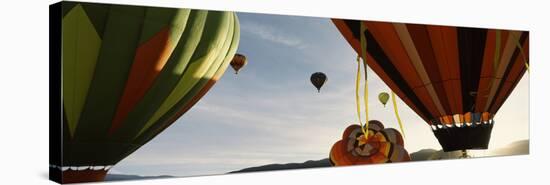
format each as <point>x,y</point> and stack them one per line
<point>270,112</point>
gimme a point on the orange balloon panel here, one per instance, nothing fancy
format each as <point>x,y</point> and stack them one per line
<point>382,146</point>
<point>442,70</point>
<point>452,77</point>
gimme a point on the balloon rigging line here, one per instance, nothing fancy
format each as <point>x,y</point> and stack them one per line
<point>397,113</point>
<point>518,44</point>
<point>364,128</point>
<point>358,105</point>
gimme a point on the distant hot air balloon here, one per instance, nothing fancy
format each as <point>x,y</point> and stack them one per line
<point>318,79</point>
<point>384,145</point>
<point>128,73</point>
<point>238,62</point>
<point>383,97</point>
<point>455,78</point>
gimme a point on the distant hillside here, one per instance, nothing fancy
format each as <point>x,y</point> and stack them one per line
<point>515,148</point>
<point>269,167</point>
<point>120,177</point>
<point>422,155</point>
<point>520,147</point>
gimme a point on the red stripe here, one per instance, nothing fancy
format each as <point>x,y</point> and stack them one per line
<point>486,75</point>
<point>149,60</point>
<point>389,41</point>
<point>348,35</point>
<point>445,48</point>
<point>423,45</point>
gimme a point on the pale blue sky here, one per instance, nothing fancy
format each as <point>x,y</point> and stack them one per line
<point>270,113</point>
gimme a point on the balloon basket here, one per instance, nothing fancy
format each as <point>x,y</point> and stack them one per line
<point>475,136</point>
<point>77,176</point>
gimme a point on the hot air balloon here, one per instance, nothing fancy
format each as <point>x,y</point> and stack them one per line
<point>455,78</point>
<point>383,97</point>
<point>238,62</point>
<point>128,73</point>
<point>318,79</point>
<point>384,145</point>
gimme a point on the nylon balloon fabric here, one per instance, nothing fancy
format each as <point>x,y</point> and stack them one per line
<point>238,62</point>
<point>130,71</point>
<point>444,73</point>
<point>318,79</point>
<point>384,145</point>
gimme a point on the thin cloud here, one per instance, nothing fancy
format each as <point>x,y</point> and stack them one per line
<point>272,34</point>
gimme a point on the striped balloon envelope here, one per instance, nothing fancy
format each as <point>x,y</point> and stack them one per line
<point>130,71</point>
<point>455,78</point>
<point>384,145</point>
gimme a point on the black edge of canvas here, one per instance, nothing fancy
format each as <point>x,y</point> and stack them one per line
<point>55,138</point>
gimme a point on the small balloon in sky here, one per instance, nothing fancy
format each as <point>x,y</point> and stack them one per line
<point>383,97</point>
<point>238,62</point>
<point>318,79</point>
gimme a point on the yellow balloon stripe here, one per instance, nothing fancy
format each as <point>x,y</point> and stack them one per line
<point>81,45</point>
<point>366,100</point>
<point>364,55</point>
<point>357,82</point>
<point>200,67</point>
<point>397,113</point>
<point>496,58</point>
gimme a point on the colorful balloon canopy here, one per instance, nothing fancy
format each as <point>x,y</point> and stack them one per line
<point>384,145</point>
<point>238,62</point>
<point>318,79</point>
<point>383,97</point>
<point>455,78</point>
<point>130,71</point>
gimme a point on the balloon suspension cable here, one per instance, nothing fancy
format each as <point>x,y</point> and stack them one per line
<point>397,113</point>
<point>364,54</point>
<point>518,44</point>
<point>358,105</point>
<point>364,128</point>
<point>496,58</point>
<point>366,96</point>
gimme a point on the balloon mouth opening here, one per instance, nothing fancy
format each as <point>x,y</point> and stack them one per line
<point>444,126</point>
<point>469,119</point>
<point>363,139</point>
<point>78,174</point>
<point>361,145</point>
